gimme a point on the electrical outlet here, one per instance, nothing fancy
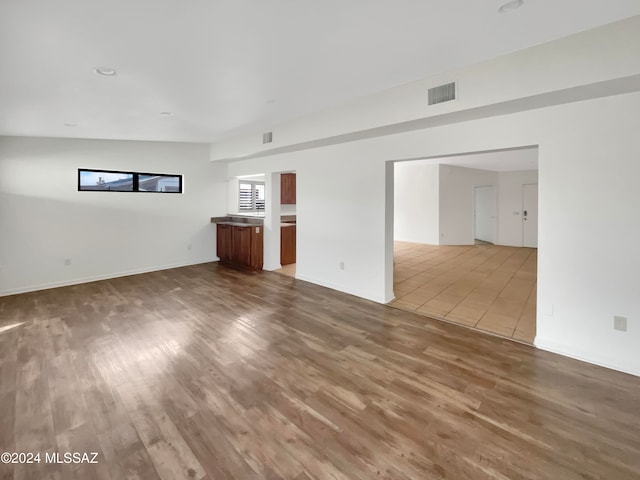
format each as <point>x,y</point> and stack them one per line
<point>67,262</point>
<point>620,323</point>
<point>341,265</point>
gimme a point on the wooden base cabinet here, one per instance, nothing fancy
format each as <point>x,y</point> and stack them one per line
<point>240,245</point>
<point>287,244</point>
<point>223,242</point>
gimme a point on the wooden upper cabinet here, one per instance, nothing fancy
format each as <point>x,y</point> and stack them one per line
<point>288,188</point>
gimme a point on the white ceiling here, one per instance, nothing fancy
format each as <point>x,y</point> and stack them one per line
<point>499,161</point>
<point>224,67</point>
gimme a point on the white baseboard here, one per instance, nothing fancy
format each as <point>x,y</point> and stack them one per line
<point>589,357</point>
<point>271,267</point>
<point>96,278</point>
<point>342,288</point>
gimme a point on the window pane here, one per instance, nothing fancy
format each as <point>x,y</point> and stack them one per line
<point>106,181</point>
<point>259,196</point>
<point>158,183</point>
<point>246,196</point>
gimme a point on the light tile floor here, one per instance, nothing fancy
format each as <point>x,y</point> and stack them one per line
<point>289,270</point>
<point>487,287</point>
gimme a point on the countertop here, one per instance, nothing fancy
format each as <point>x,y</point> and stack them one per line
<point>239,224</point>
<point>246,221</point>
<point>238,220</point>
<point>242,224</point>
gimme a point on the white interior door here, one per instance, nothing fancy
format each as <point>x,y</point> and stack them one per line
<point>530,216</point>
<point>485,213</point>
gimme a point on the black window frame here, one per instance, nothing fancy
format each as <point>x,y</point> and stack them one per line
<point>135,188</point>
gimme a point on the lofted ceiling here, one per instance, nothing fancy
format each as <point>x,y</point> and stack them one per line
<point>225,67</point>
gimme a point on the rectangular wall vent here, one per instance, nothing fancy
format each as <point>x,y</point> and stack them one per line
<point>267,137</point>
<point>442,93</point>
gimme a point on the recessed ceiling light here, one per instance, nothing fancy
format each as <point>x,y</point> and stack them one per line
<point>70,124</point>
<point>106,71</point>
<point>510,6</point>
<point>166,114</point>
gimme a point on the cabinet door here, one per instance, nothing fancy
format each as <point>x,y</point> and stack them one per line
<point>242,245</point>
<point>288,188</point>
<point>223,242</point>
<point>257,247</point>
<point>287,245</point>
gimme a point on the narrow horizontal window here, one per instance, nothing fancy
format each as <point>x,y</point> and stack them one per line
<point>113,181</point>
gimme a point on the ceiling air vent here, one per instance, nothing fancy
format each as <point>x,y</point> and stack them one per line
<point>267,137</point>
<point>442,93</point>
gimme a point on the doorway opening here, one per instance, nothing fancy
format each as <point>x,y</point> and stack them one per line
<point>484,215</point>
<point>288,223</point>
<point>465,251</point>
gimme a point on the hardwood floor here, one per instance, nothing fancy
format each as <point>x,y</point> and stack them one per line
<point>209,372</point>
<point>487,287</point>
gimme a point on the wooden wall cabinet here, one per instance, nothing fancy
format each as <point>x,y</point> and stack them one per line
<point>287,244</point>
<point>240,245</point>
<point>288,188</point>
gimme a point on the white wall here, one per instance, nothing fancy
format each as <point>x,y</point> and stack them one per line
<point>233,195</point>
<point>588,231</point>
<point>418,210</point>
<point>577,99</point>
<point>287,209</point>
<point>510,205</point>
<point>333,224</point>
<point>45,220</point>
<point>456,202</point>
<point>594,58</point>
<point>416,202</point>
